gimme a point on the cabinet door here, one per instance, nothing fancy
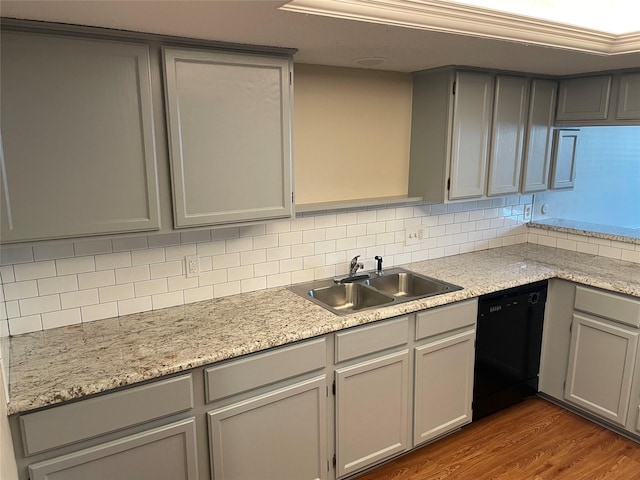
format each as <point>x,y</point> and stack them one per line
<point>599,375</point>
<point>279,435</point>
<point>165,453</point>
<point>444,386</point>
<point>77,135</point>
<point>537,152</point>
<point>629,97</point>
<point>473,104</point>
<point>230,136</point>
<point>371,411</point>
<point>584,98</point>
<point>507,136</point>
<point>563,163</point>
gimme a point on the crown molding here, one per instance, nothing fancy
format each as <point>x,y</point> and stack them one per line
<point>442,16</point>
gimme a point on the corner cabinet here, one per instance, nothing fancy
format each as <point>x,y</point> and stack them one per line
<point>229,128</point>
<point>471,132</point>
<point>78,153</point>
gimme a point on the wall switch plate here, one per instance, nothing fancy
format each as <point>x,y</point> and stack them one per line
<point>413,235</point>
<point>192,263</point>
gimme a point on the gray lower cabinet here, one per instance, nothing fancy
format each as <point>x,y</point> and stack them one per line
<point>601,364</point>
<point>278,435</point>
<point>228,118</point>
<point>371,411</point>
<point>78,154</point>
<point>444,385</point>
<point>164,453</point>
<point>444,359</point>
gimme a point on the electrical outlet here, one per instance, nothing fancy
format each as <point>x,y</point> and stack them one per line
<point>527,213</point>
<point>193,265</point>
<point>413,235</point>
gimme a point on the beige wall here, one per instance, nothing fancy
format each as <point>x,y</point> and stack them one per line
<point>351,130</point>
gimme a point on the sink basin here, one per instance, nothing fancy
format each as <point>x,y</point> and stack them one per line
<point>395,286</point>
<point>348,297</point>
<point>401,283</point>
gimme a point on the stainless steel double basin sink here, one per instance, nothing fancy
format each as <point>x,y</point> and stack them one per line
<point>394,286</point>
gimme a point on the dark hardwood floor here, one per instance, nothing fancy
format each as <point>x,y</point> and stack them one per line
<point>533,440</point>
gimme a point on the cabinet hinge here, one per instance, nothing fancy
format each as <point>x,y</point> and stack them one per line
<point>292,198</point>
<point>327,465</point>
<point>448,184</point>
<point>571,327</point>
<point>454,88</point>
<point>334,387</point>
<point>290,78</point>
<point>334,461</point>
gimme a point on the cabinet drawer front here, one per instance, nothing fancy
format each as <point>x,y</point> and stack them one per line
<point>445,319</point>
<point>608,305</point>
<point>264,369</point>
<point>71,423</point>
<point>165,453</point>
<point>375,338</point>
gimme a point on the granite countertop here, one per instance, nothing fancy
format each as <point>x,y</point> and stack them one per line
<point>54,366</point>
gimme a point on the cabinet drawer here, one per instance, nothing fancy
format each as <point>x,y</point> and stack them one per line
<point>165,453</point>
<point>445,319</point>
<point>608,305</point>
<point>71,423</point>
<point>374,338</point>
<point>264,369</point>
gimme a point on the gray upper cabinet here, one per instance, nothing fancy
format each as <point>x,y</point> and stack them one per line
<point>450,129</point>
<point>507,134</point>
<point>629,97</point>
<point>78,153</point>
<point>537,152</point>
<point>563,164</point>
<point>584,98</point>
<point>229,132</point>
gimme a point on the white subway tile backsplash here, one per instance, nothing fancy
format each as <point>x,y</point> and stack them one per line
<point>117,292</point>
<point>61,318</point>
<point>66,283</point>
<point>352,231</point>
<point>20,290</point>
<point>6,274</point>
<point>225,233</point>
<point>348,218</point>
<point>240,273</point>
<point>83,248</point>
<point>12,308</point>
<point>27,324</point>
<point>35,270</point>
<point>325,221</point>
<point>276,227</point>
<point>324,272</point>
<point>213,277</point>
<point>80,298</point>
<point>277,253</point>
<point>91,313</point>
<point>13,255</point>
<point>135,305</point>
<point>211,248</point>
<point>199,294</point>
<point>366,216</point>
<point>548,241</point>
<point>226,261</point>
<point>103,278</point>
<point>253,284</point>
<point>300,276</point>
<point>630,256</point>
<point>267,268</point>
<point>147,257</point>
<point>112,261</point>
<point>129,243</point>
<point>36,305</point>
<point>253,256</point>
<point>168,269</point>
<point>52,252</point>
<point>265,241</point>
<point>178,252</point>
<point>164,240</point>
<point>226,289</point>
<point>610,252</point>
<point>196,236</point>
<point>182,283</point>
<point>406,212</point>
<point>279,280</point>
<point>151,287</point>
<point>252,230</point>
<point>239,245</point>
<point>139,273</point>
<point>289,238</point>
<point>70,266</point>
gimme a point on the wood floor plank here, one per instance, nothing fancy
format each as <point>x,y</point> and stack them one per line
<point>534,440</point>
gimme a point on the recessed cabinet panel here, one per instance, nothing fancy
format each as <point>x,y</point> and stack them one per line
<point>507,134</point>
<point>629,97</point>
<point>563,166</point>
<point>473,105</point>
<point>279,435</point>
<point>165,453</point>
<point>77,136</point>
<point>584,98</point>
<point>601,361</point>
<point>444,385</point>
<point>537,153</point>
<point>230,139</point>
<point>371,411</point>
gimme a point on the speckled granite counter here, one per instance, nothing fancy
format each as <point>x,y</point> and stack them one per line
<point>606,232</point>
<point>70,362</point>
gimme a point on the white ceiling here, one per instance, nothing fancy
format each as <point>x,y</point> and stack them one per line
<point>319,39</point>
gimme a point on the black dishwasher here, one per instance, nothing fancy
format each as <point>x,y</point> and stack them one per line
<point>508,344</point>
